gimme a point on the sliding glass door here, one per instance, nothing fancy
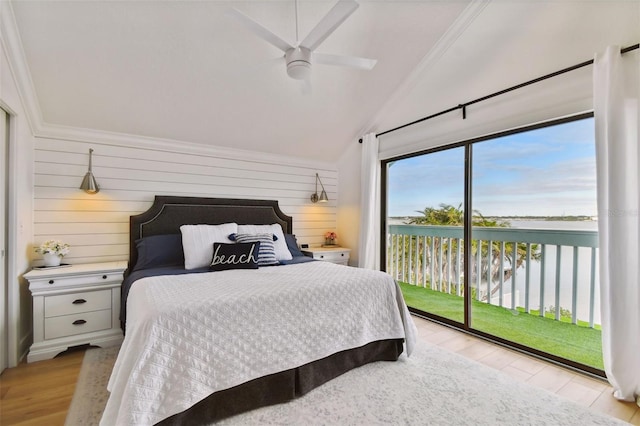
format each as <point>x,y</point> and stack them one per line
<point>530,268</point>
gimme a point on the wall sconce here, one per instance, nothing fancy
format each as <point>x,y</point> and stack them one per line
<point>323,195</point>
<point>89,184</point>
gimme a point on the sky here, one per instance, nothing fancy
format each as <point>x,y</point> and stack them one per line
<point>544,172</point>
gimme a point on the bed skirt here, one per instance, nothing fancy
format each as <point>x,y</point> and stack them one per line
<point>284,386</point>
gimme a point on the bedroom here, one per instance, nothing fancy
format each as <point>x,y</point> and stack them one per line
<point>158,140</point>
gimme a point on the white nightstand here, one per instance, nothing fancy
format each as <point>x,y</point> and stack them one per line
<point>339,255</point>
<point>75,305</point>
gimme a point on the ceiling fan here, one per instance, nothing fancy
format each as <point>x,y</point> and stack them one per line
<point>300,57</point>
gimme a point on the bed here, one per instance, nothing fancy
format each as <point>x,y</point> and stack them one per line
<point>203,345</point>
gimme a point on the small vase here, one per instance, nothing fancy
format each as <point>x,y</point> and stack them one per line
<point>329,242</point>
<point>51,259</point>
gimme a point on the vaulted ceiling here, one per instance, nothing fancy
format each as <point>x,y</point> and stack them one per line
<point>182,70</point>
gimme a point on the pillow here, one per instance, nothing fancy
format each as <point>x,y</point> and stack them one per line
<point>266,253</point>
<point>292,245</point>
<point>197,242</point>
<point>232,237</point>
<point>282,252</point>
<point>159,250</point>
<point>234,256</point>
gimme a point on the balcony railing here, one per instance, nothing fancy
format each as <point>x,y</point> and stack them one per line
<point>555,270</point>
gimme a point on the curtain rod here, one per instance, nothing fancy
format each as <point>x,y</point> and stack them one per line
<point>463,106</point>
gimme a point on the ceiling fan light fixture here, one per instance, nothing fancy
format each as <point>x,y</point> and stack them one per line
<point>298,63</point>
<point>299,70</point>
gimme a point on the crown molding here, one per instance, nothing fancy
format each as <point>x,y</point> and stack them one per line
<point>100,137</point>
<point>12,44</point>
<point>459,26</point>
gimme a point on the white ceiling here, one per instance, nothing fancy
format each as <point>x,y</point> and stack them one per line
<point>181,70</point>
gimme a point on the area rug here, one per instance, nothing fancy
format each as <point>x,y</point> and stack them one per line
<point>432,387</point>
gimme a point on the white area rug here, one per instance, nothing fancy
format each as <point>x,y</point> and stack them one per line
<point>433,387</point>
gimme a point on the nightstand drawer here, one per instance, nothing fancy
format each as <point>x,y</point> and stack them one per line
<point>75,303</point>
<point>334,257</point>
<point>52,283</point>
<point>69,325</point>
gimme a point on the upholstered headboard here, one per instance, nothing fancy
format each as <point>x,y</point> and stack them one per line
<point>168,213</point>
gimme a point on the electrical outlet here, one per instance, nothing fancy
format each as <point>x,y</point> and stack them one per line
<point>304,246</point>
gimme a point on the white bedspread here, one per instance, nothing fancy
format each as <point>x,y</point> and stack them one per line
<point>191,335</point>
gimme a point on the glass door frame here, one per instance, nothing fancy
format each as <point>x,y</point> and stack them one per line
<point>467,235</point>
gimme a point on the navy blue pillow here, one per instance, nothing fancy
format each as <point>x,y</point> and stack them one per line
<point>234,256</point>
<point>292,245</point>
<point>159,250</point>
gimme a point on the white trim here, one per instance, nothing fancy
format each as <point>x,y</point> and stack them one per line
<point>13,290</point>
<point>101,137</point>
<point>19,67</point>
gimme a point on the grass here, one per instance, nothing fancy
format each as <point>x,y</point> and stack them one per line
<point>574,342</point>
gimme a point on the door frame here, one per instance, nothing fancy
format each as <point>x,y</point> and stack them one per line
<point>4,252</point>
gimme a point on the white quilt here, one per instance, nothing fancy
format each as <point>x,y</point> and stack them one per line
<point>191,335</point>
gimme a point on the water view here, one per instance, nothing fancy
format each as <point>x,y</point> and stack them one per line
<point>533,259</point>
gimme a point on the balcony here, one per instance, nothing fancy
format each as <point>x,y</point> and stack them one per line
<point>549,301</point>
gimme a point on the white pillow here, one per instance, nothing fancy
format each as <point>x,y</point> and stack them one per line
<point>282,251</point>
<point>197,242</point>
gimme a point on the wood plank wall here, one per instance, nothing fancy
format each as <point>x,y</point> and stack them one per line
<point>96,226</point>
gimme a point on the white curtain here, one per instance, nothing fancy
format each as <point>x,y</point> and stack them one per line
<point>369,247</point>
<point>616,98</point>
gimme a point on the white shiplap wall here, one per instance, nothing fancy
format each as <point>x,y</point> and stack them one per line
<point>130,175</point>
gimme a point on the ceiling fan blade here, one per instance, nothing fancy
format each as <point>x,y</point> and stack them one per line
<point>332,20</point>
<point>347,61</point>
<point>259,30</point>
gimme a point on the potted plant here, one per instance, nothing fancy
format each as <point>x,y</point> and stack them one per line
<point>52,252</point>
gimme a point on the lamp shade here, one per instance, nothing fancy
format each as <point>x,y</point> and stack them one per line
<point>89,184</point>
<point>323,198</point>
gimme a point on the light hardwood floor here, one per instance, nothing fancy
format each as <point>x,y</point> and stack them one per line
<point>40,393</point>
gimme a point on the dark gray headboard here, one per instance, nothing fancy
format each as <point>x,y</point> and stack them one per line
<point>168,213</point>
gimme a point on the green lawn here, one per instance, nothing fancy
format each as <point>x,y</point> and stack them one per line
<point>575,342</point>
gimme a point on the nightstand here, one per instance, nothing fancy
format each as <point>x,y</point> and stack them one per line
<point>339,255</point>
<point>75,305</point>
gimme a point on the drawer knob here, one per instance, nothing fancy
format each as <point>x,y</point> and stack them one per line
<point>79,301</point>
<point>342,255</point>
<point>321,257</point>
<point>51,281</point>
<point>104,277</point>
<point>79,322</point>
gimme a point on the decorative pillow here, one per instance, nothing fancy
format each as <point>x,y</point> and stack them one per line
<point>197,242</point>
<point>159,250</point>
<point>292,245</point>
<point>282,252</point>
<point>234,256</point>
<point>232,237</point>
<point>266,254</point>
